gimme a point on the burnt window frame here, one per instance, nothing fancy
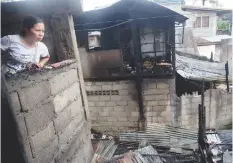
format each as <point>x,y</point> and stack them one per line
<point>88,46</point>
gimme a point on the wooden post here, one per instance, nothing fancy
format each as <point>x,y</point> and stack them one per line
<point>202,93</point>
<point>62,36</point>
<point>173,49</point>
<point>227,73</point>
<point>211,60</point>
<point>80,72</point>
<point>212,57</point>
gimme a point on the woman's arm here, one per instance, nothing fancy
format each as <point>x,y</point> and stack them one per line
<point>43,61</point>
<point>5,43</point>
<point>44,54</point>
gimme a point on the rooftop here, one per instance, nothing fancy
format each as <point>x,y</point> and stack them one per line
<point>210,9</point>
<point>120,10</point>
<point>195,69</point>
<point>211,40</point>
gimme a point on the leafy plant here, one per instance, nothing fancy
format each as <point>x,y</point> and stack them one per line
<point>223,25</point>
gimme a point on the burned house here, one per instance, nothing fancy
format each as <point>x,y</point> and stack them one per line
<point>130,74</point>
<point>142,35</point>
<point>132,71</point>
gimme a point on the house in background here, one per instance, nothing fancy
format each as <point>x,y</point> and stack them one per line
<point>205,23</point>
<point>199,35</point>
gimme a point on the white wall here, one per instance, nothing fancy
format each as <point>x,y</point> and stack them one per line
<point>204,32</point>
<point>198,3</point>
<point>222,52</point>
<point>211,31</point>
<point>217,55</point>
<point>206,51</point>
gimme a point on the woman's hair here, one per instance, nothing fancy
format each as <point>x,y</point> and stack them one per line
<point>29,22</point>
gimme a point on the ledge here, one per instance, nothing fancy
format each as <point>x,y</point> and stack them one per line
<point>27,78</point>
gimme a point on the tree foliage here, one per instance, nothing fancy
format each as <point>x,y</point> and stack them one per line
<point>223,25</point>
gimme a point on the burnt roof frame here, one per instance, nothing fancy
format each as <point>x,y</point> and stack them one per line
<point>111,13</point>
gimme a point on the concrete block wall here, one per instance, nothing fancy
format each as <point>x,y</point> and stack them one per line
<point>158,100</point>
<point>224,114</point>
<point>218,104</point>
<point>50,115</point>
<point>111,111</point>
<point>189,110</point>
<point>114,106</point>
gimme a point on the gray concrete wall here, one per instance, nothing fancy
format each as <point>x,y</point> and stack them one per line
<point>114,106</point>
<point>51,116</point>
<point>185,42</point>
<point>226,50</point>
<point>218,105</point>
<point>85,62</point>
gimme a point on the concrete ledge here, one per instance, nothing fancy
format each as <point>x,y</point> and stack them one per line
<point>26,79</point>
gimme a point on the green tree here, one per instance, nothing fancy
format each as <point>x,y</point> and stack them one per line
<point>223,25</point>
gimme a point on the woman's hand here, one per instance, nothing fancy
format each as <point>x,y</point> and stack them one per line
<point>39,65</point>
<point>43,61</point>
<point>31,66</point>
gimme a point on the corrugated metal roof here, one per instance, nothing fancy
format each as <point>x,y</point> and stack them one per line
<point>203,8</point>
<point>217,38</point>
<point>164,135</point>
<point>194,69</point>
<point>117,11</point>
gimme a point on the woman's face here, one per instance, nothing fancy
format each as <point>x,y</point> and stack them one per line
<point>36,33</point>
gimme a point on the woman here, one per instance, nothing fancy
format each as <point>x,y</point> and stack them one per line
<point>25,50</point>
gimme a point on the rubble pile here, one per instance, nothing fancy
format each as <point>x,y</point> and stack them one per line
<point>108,152</point>
<point>161,144</point>
<point>158,144</point>
<point>219,146</point>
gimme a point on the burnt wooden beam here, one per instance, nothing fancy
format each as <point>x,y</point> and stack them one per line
<point>137,59</point>
<point>173,51</point>
<point>212,57</point>
<point>128,77</point>
<point>227,73</point>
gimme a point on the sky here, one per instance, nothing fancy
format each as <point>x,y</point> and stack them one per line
<point>227,3</point>
<point>92,4</point>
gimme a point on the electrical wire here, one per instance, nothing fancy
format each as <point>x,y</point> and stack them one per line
<point>128,20</point>
<point>105,27</point>
<point>134,6</point>
<point>112,21</point>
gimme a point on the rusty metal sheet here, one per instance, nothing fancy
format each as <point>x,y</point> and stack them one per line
<point>106,59</point>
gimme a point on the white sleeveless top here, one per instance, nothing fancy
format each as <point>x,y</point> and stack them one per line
<point>18,55</point>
